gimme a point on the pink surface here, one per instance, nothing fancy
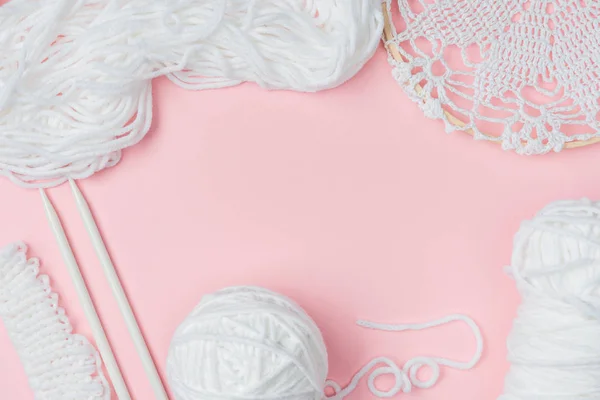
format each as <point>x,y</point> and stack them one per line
<point>349,201</point>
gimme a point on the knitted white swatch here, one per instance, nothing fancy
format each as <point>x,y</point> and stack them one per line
<point>75,76</point>
<point>554,348</point>
<point>59,365</point>
<point>525,73</point>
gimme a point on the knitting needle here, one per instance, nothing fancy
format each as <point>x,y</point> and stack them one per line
<point>104,348</point>
<point>118,293</point>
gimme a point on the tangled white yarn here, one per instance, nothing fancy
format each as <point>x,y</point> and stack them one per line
<point>250,343</point>
<point>59,364</point>
<point>75,75</point>
<point>554,348</point>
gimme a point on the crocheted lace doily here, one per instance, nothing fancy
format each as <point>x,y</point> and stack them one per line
<point>524,73</point>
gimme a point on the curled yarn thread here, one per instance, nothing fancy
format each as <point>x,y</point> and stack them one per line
<point>59,364</point>
<point>406,377</point>
<point>75,76</point>
<point>251,343</point>
<point>553,348</point>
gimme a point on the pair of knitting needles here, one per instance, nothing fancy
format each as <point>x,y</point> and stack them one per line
<point>88,306</point>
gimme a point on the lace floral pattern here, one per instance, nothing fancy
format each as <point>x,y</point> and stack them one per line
<point>525,73</point>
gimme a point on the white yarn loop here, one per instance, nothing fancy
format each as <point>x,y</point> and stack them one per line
<point>59,364</point>
<point>252,344</point>
<point>553,347</point>
<point>75,75</point>
<point>406,378</point>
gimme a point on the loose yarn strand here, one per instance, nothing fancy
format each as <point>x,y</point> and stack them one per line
<point>407,377</point>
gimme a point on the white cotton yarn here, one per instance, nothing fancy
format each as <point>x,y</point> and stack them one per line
<point>554,347</point>
<point>249,343</point>
<point>59,365</point>
<point>75,75</point>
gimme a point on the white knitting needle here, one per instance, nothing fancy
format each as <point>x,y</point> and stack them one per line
<point>119,293</point>
<point>84,297</point>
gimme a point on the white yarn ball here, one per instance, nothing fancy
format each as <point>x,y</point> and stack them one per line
<point>554,347</point>
<point>247,343</point>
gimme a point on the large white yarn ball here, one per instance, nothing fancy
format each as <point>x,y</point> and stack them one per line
<point>247,343</point>
<point>554,347</point>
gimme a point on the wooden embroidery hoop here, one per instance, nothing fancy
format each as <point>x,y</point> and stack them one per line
<point>388,34</point>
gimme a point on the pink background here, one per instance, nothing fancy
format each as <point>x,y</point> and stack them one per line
<point>350,201</point>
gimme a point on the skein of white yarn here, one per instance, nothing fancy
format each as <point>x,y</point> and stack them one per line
<point>554,347</point>
<point>253,344</point>
<point>75,75</point>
